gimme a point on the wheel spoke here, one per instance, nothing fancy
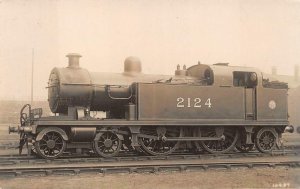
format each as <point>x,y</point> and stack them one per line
<point>108,144</point>
<point>155,146</point>
<point>217,146</point>
<point>51,145</point>
<point>265,140</point>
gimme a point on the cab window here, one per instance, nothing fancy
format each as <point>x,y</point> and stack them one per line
<point>245,79</point>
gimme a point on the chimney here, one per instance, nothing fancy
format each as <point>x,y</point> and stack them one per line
<point>73,60</point>
<point>296,72</point>
<point>274,70</point>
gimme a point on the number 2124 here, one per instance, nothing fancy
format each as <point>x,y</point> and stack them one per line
<point>192,102</point>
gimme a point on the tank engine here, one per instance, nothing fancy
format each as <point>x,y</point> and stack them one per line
<point>212,107</point>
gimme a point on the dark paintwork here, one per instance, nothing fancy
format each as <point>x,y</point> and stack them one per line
<point>76,86</point>
<point>178,122</point>
<point>264,96</point>
<point>133,100</point>
<point>157,101</point>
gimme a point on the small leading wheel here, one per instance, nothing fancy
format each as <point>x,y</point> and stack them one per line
<point>245,147</point>
<point>265,140</point>
<point>51,145</point>
<point>220,146</point>
<point>156,147</point>
<point>107,144</point>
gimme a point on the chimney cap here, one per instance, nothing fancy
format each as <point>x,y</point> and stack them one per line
<point>73,55</point>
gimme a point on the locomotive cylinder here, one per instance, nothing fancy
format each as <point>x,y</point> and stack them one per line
<point>81,134</point>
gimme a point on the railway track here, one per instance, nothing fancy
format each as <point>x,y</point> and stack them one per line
<point>32,160</point>
<point>9,145</point>
<point>13,143</point>
<point>142,168</point>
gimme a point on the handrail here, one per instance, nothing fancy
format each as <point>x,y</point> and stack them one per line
<point>27,116</point>
<point>117,98</point>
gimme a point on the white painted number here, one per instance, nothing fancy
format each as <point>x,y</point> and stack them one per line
<point>197,103</point>
<point>208,103</point>
<point>180,102</point>
<point>190,102</point>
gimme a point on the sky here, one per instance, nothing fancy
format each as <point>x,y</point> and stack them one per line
<point>256,33</point>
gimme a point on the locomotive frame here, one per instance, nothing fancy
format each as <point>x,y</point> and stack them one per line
<point>158,116</point>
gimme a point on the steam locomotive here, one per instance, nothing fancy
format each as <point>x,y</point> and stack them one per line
<point>212,107</point>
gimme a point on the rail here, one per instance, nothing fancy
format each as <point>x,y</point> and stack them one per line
<point>140,168</point>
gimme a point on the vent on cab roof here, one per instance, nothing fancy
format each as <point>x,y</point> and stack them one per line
<point>221,64</point>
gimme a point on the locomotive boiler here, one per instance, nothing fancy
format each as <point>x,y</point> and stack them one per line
<point>76,86</point>
<point>212,107</point>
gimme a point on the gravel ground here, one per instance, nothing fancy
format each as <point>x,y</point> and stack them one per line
<point>242,178</point>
